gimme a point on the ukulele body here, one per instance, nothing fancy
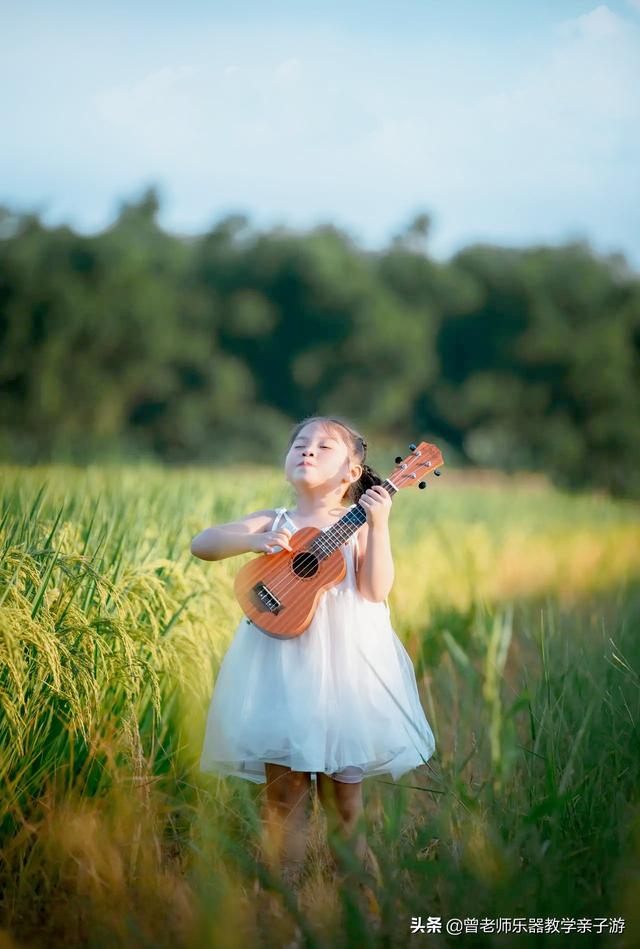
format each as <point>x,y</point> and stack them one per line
<point>279,592</point>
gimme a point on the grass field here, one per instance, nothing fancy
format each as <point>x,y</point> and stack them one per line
<point>520,608</point>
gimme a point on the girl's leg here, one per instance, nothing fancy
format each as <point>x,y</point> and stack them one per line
<point>344,807</point>
<point>285,817</point>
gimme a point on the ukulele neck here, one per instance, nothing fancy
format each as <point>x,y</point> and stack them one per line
<point>340,532</point>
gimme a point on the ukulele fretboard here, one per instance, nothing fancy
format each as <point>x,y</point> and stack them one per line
<point>340,532</point>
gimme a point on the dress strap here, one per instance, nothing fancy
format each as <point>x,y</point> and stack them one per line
<point>286,514</point>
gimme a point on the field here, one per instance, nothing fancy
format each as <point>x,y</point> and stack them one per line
<point>519,606</point>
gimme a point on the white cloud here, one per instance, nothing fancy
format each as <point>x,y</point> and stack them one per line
<point>323,124</point>
<point>599,22</point>
<point>557,151</point>
<point>167,88</point>
<point>289,70</point>
<point>552,129</point>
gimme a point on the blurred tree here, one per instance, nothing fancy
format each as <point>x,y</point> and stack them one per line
<point>138,342</point>
<point>415,235</point>
<point>543,373</point>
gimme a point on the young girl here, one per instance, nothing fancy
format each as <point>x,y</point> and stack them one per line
<point>339,702</point>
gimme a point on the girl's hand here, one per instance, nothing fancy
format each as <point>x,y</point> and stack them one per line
<point>264,542</point>
<point>376,501</point>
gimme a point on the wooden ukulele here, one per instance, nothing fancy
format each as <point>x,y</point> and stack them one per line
<point>279,592</point>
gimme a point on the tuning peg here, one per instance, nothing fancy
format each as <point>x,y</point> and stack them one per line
<point>412,447</point>
<point>437,472</point>
<point>398,459</point>
<point>422,484</point>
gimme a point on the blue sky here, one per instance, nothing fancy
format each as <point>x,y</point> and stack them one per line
<point>514,122</point>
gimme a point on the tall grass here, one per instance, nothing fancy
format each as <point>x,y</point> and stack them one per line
<point>520,610</point>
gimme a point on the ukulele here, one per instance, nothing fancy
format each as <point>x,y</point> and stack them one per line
<point>279,592</point>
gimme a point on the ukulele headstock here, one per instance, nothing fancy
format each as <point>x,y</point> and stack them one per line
<point>423,459</point>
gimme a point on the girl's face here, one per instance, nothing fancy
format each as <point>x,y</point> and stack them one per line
<point>318,457</point>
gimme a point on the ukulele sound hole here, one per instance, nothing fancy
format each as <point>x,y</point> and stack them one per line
<point>305,564</point>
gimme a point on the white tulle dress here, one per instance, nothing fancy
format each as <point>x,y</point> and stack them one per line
<point>341,698</point>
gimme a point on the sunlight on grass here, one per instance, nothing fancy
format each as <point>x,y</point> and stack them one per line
<point>519,608</point>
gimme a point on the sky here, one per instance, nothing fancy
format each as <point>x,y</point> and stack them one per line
<point>514,122</point>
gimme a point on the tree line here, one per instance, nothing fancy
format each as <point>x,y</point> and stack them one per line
<point>137,343</point>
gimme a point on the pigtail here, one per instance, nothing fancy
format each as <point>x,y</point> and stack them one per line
<point>367,479</point>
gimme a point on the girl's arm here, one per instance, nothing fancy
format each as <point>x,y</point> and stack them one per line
<point>236,537</point>
<point>375,573</point>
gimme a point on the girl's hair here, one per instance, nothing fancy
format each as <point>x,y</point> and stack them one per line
<point>357,450</point>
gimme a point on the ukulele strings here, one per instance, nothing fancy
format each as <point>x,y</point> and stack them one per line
<point>280,590</point>
<point>290,582</point>
<point>325,547</point>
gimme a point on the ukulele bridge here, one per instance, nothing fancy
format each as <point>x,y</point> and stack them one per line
<point>266,598</point>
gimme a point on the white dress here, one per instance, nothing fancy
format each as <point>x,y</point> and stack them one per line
<point>340,698</point>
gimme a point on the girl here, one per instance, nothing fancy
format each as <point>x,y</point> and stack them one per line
<point>339,702</point>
